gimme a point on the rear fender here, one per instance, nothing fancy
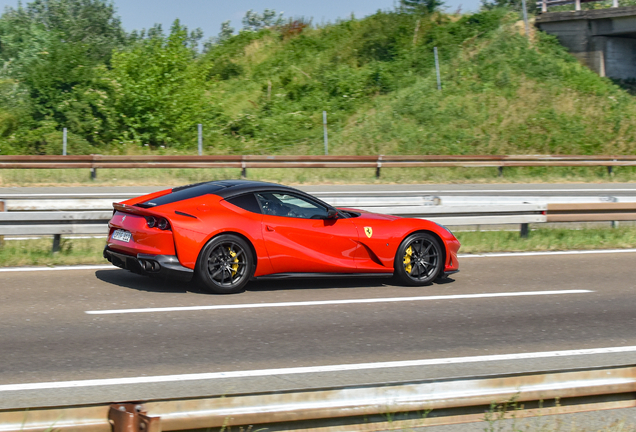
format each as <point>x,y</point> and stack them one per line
<point>214,219</point>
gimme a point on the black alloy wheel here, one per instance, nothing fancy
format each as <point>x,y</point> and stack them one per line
<point>419,260</point>
<point>225,264</point>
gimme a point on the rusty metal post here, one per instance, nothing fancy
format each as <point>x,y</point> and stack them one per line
<point>132,418</point>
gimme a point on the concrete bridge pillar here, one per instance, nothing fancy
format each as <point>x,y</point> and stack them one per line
<point>604,40</point>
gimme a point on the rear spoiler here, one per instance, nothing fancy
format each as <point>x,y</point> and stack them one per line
<point>132,209</point>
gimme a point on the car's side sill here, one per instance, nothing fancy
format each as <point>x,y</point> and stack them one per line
<point>321,275</point>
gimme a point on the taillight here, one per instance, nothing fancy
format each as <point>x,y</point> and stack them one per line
<point>163,224</point>
<point>151,221</point>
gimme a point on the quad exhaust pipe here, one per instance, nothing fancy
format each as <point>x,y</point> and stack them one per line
<point>149,266</point>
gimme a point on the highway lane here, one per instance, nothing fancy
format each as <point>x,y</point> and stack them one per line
<point>46,334</point>
<point>506,189</point>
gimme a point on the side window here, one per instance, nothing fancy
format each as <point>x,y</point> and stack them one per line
<point>246,202</point>
<point>289,205</point>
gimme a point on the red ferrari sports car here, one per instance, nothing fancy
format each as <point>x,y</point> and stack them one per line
<point>225,233</point>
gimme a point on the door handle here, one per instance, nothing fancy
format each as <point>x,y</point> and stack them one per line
<point>269,228</point>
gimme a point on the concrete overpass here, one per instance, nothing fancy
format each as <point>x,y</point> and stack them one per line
<point>602,39</point>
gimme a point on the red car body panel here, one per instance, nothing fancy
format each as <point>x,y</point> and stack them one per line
<point>363,244</point>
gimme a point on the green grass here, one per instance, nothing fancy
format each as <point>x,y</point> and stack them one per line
<point>547,239</point>
<point>16,253</point>
<point>174,177</point>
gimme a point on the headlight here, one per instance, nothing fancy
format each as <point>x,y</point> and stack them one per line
<point>442,226</point>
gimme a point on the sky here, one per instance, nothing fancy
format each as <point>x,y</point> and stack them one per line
<point>209,14</point>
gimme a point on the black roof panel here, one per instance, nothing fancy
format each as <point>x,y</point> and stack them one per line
<point>222,188</point>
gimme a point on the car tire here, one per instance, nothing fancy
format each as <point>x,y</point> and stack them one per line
<point>419,260</point>
<point>225,265</point>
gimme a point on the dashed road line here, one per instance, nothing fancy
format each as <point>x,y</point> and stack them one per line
<point>334,302</point>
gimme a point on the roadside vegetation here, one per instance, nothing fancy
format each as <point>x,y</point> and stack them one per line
<point>262,90</point>
<point>16,253</point>
<point>297,176</point>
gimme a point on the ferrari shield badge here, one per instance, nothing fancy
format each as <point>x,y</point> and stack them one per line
<point>368,231</point>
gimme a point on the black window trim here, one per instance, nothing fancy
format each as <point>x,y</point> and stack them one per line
<point>260,208</point>
<point>301,195</point>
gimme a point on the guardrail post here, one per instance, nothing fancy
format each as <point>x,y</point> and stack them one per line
<point>93,173</point>
<point>523,233</point>
<point>132,418</point>
<point>2,208</point>
<point>243,169</point>
<point>378,167</point>
<point>57,239</point>
<point>500,171</point>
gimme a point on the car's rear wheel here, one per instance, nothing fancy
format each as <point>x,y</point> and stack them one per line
<point>419,259</point>
<point>225,265</point>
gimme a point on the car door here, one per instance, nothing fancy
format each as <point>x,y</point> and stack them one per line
<point>300,239</point>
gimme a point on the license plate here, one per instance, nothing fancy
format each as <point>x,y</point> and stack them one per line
<point>121,235</point>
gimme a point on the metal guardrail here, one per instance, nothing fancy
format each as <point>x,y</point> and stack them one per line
<point>90,216</point>
<point>243,162</point>
<point>357,407</point>
<point>544,4</point>
<point>31,219</point>
<point>585,213</point>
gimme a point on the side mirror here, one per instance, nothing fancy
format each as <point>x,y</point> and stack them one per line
<point>332,214</point>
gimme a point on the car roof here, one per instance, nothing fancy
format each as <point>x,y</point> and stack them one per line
<point>223,188</point>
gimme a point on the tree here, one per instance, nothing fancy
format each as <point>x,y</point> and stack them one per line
<point>422,5</point>
<point>57,51</point>
<point>92,23</point>
<point>253,21</point>
<point>515,5</point>
<point>160,88</point>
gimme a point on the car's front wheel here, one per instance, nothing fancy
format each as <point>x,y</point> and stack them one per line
<point>419,260</point>
<point>225,265</point>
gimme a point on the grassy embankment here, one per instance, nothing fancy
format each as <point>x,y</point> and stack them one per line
<point>89,251</point>
<point>502,94</point>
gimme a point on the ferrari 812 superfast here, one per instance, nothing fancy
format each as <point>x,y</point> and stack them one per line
<point>226,233</point>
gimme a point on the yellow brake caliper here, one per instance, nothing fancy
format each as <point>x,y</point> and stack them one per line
<point>235,265</point>
<point>407,259</point>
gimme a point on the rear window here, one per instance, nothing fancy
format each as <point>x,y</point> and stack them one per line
<point>246,202</point>
<point>183,193</point>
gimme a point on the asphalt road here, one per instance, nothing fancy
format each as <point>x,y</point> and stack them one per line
<point>53,328</point>
<point>516,189</point>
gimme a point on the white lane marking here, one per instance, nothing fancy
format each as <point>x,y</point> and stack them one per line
<point>335,302</point>
<point>35,269</point>
<point>518,254</point>
<point>443,191</point>
<point>311,369</point>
